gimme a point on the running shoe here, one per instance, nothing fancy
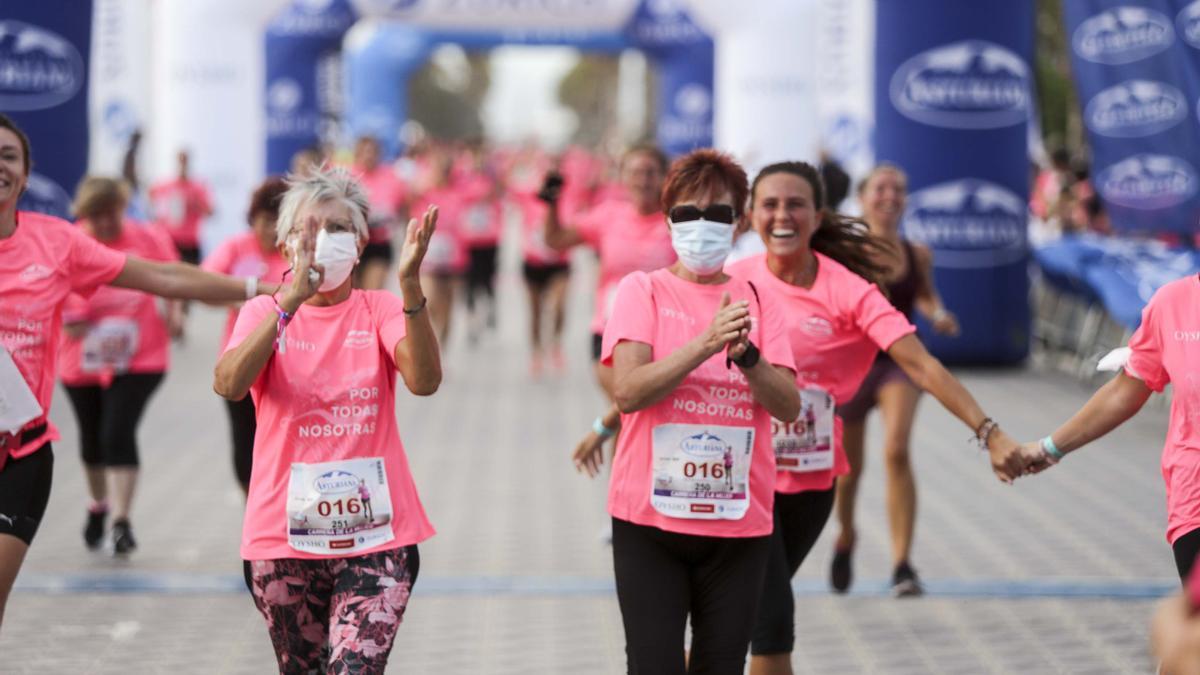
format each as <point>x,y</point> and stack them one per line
<point>123,542</point>
<point>840,573</point>
<point>905,582</point>
<point>93,530</point>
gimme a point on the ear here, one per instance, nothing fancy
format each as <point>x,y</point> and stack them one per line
<point>743,223</point>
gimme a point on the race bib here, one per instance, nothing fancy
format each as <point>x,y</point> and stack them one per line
<point>110,344</point>
<point>807,443</point>
<point>478,219</point>
<point>18,405</point>
<point>702,471</point>
<point>335,508</point>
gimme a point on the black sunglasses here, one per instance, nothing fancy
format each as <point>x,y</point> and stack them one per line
<point>717,213</point>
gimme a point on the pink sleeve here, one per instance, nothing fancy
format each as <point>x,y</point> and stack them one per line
<point>220,260</point>
<point>1146,360</point>
<point>164,248</point>
<point>776,346</point>
<point>75,309</point>
<point>879,320</point>
<point>387,311</point>
<point>632,318</point>
<point>91,264</point>
<point>589,225</point>
<point>249,318</point>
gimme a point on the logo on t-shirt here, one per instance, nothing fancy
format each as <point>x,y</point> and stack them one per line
<point>358,339</point>
<point>817,326</point>
<point>35,272</point>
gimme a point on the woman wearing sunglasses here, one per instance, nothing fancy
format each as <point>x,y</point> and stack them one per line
<point>819,267</point>
<point>700,365</point>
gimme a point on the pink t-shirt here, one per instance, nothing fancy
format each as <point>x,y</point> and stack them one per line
<point>835,330</point>
<point>626,241</point>
<point>482,217</point>
<point>330,396</point>
<point>533,229</point>
<point>387,194</point>
<point>447,252</point>
<point>179,206</point>
<point>1166,350</point>
<point>125,316</point>
<point>242,256</point>
<point>41,264</point>
<point>661,310</point>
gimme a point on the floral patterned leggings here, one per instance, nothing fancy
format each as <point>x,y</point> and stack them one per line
<point>338,615</point>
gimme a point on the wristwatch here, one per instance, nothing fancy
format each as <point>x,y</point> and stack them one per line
<point>748,359</point>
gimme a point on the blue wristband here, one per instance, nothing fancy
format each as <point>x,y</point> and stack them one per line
<point>1051,449</point>
<point>600,430</point>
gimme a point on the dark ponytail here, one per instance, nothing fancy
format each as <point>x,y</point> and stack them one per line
<point>847,240</point>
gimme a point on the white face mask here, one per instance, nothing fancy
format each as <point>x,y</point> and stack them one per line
<point>702,245</point>
<point>337,253</point>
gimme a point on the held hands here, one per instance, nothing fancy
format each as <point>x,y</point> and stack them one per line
<point>416,244</point>
<point>730,328</point>
<point>1011,460</point>
<point>304,285</point>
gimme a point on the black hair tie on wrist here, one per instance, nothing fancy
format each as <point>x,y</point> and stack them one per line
<point>416,310</point>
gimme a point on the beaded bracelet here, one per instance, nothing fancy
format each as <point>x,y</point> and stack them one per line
<point>281,328</point>
<point>984,431</point>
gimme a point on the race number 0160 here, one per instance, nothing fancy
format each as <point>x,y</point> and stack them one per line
<point>351,506</point>
<point>704,470</point>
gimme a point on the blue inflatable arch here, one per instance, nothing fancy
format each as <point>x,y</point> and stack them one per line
<point>378,56</point>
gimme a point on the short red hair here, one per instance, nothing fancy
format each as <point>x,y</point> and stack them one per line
<point>705,172</point>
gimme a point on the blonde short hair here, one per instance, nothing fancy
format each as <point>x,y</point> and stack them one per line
<point>318,185</point>
<point>97,195</point>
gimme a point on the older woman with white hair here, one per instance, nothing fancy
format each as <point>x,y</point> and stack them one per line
<point>332,516</point>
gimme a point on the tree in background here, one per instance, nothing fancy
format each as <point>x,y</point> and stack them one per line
<point>446,94</point>
<point>589,90</point>
<point>1061,118</point>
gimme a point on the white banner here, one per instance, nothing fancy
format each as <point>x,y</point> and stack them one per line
<point>119,100</point>
<point>583,15</point>
<point>208,94</point>
<point>767,89</point>
<point>845,68</point>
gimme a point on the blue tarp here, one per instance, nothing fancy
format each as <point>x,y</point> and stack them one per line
<point>1121,274</point>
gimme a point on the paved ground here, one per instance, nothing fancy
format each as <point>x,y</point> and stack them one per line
<point>1055,574</point>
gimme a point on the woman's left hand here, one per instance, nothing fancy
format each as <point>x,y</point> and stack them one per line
<point>416,244</point>
<point>945,323</point>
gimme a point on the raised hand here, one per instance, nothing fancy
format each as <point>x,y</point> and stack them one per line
<point>416,244</point>
<point>304,285</point>
<point>730,324</point>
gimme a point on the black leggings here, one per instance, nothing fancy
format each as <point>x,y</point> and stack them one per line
<point>1186,549</point>
<point>481,273</point>
<point>799,519</point>
<point>241,428</point>
<point>24,493</point>
<point>663,577</point>
<point>108,418</point>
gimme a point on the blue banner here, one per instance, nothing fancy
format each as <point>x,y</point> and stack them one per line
<point>1137,70</point>
<point>952,102</point>
<point>44,51</point>
<point>683,54</point>
<point>304,77</point>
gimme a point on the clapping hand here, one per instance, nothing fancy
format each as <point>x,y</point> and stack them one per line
<point>304,285</point>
